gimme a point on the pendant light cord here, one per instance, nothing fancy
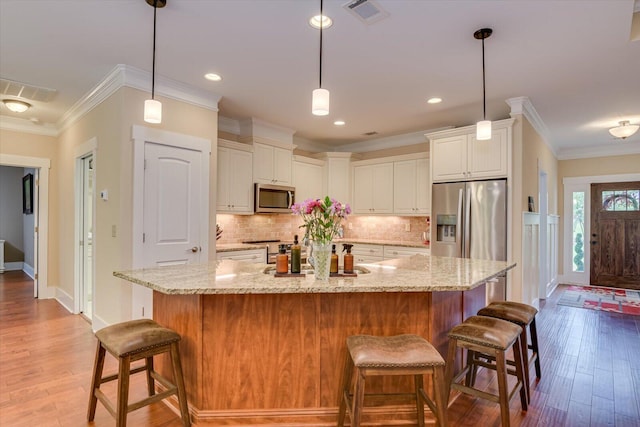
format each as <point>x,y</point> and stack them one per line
<point>484,93</point>
<point>321,25</point>
<point>153,67</point>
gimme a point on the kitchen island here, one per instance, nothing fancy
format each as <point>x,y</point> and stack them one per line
<point>261,350</point>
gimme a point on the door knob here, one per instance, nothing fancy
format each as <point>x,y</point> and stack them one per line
<point>194,249</point>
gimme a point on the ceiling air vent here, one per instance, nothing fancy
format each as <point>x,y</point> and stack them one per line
<point>370,133</point>
<point>26,91</point>
<point>367,11</point>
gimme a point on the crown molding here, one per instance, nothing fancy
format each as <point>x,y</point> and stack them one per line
<point>615,149</point>
<point>125,75</point>
<point>395,141</point>
<point>27,126</point>
<point>522,105</point>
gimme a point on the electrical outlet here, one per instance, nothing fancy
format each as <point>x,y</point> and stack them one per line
<point>407,227</point>
<point>350,226</point>
<point>113,231</point>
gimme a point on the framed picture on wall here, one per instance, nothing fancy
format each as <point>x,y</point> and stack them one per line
<point>27,194</point>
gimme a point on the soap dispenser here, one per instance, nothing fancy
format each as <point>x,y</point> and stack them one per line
<point>334,260</point>
<point>282,260</point>
<point>348,258</point>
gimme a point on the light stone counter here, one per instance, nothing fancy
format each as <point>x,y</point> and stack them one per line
<point>418,273</point>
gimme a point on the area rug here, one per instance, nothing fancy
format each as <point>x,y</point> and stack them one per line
<point>614,300</point>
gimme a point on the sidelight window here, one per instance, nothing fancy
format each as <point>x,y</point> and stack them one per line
<point>578,231</point>
<point>621,200</point>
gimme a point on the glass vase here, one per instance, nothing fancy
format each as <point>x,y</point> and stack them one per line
<point>322,260</point>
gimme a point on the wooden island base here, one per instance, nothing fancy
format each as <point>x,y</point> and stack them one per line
<point>277,359</point>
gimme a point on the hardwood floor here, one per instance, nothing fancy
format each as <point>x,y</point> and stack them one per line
<point>590,369</point>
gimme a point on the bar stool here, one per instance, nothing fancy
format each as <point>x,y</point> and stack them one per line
<point>395,355</point>
<point>524,316</point>
<point>131,341</point>
<point>486,336</point>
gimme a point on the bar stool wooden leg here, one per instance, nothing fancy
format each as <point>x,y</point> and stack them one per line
<point>177,375</point>
<point>440,391</point>
<point>503,392</point>
<point>419,385</point>
<point>451,362</point>
<point>346,385</point>
<point>123,391</point>
<point>519,359</point>
<point>151,384</point>
<point>358,398</point>
<point>534,347</point>
<point>95,381</point>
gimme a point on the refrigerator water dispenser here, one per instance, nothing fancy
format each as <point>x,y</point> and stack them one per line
<point>446,228</point>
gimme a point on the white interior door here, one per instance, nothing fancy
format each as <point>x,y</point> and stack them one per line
<point>86,240</point>
<point>171,205</point>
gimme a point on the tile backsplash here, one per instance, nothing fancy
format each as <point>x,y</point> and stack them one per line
<point>237,228</point>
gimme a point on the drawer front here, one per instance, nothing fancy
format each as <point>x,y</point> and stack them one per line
<point>368,250</point>
<point>391,252</point>
<point>363,259</point>
<point>254,255</point>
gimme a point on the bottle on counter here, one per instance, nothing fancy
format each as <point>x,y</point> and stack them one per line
<point>348,258</point>
<point>282,260</point>
<point>334,260</point>
<point>295,255</point>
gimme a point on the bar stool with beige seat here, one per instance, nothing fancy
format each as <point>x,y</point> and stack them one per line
<point>395,355</point>
<point>487,341</point>
<point>128,342</point>
<point>524,316</point>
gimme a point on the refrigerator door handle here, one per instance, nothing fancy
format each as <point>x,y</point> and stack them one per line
<point>459,235</point>
<point>467,226</point>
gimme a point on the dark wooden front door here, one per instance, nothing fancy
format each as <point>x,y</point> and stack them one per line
<point>615,234</point>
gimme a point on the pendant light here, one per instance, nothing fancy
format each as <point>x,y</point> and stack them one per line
<point>483,127</point>
<point>152,107</point>
<point>320,97</point>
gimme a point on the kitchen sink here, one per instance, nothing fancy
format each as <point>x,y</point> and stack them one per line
<point>308,269</point>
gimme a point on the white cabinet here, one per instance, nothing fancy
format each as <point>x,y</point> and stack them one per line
<point>373,189</point>
<point>234,180</point>
<point>391,252</point>
<point>308,178</point>
<point>411,187</point>
<point>338,171</point>
<point>271,164</point>
<point>456,155</point>
<point>249,255</point>
<point>363,253</point>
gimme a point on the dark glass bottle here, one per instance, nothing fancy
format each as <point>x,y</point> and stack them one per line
<point>282,260</point>
<point>295,255</point>
<point>334,260</point>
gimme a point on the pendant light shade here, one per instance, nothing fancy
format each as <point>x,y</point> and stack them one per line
<point>483,127</point>
<point>320,102</point>
<point>625,130</point>
<point>152,111</point>
<point>320,96</point>
<point>152,107</point>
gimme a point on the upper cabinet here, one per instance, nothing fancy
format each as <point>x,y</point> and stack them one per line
<point>234,180</point>
<point>373,188</point>
<point>338,173</point>
<point>271,164</point>
<point>308,178</point>
<point>411,187</point>
<point>456,154</point>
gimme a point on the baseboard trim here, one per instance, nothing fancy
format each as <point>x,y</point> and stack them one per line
<point>13,266</point>
<point>29,270</point>
<point>98,323</point>
<point>64,299</point>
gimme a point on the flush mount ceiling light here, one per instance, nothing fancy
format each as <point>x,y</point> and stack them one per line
<point>320,97</point>
<point>339,123</point>
<point>483,127</point>
<point>625,130</point>
<point>434,100</point>
<point>16,106</point>
<point>152,107</point>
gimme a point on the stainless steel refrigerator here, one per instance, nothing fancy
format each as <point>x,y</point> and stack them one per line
<point>469,220</point>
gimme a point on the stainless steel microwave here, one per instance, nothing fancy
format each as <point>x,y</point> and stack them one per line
<point>273,198</point>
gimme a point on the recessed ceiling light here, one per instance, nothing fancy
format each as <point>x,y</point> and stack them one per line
<point>339,123</point>
<point>315,22</point>
<point>213,77</point>
<point>16,106</point>
<point>434,100</point>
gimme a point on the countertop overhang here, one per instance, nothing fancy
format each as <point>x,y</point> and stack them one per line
<point>419,273</point>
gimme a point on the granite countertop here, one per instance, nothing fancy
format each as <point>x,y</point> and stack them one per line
<point>419,273</point>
